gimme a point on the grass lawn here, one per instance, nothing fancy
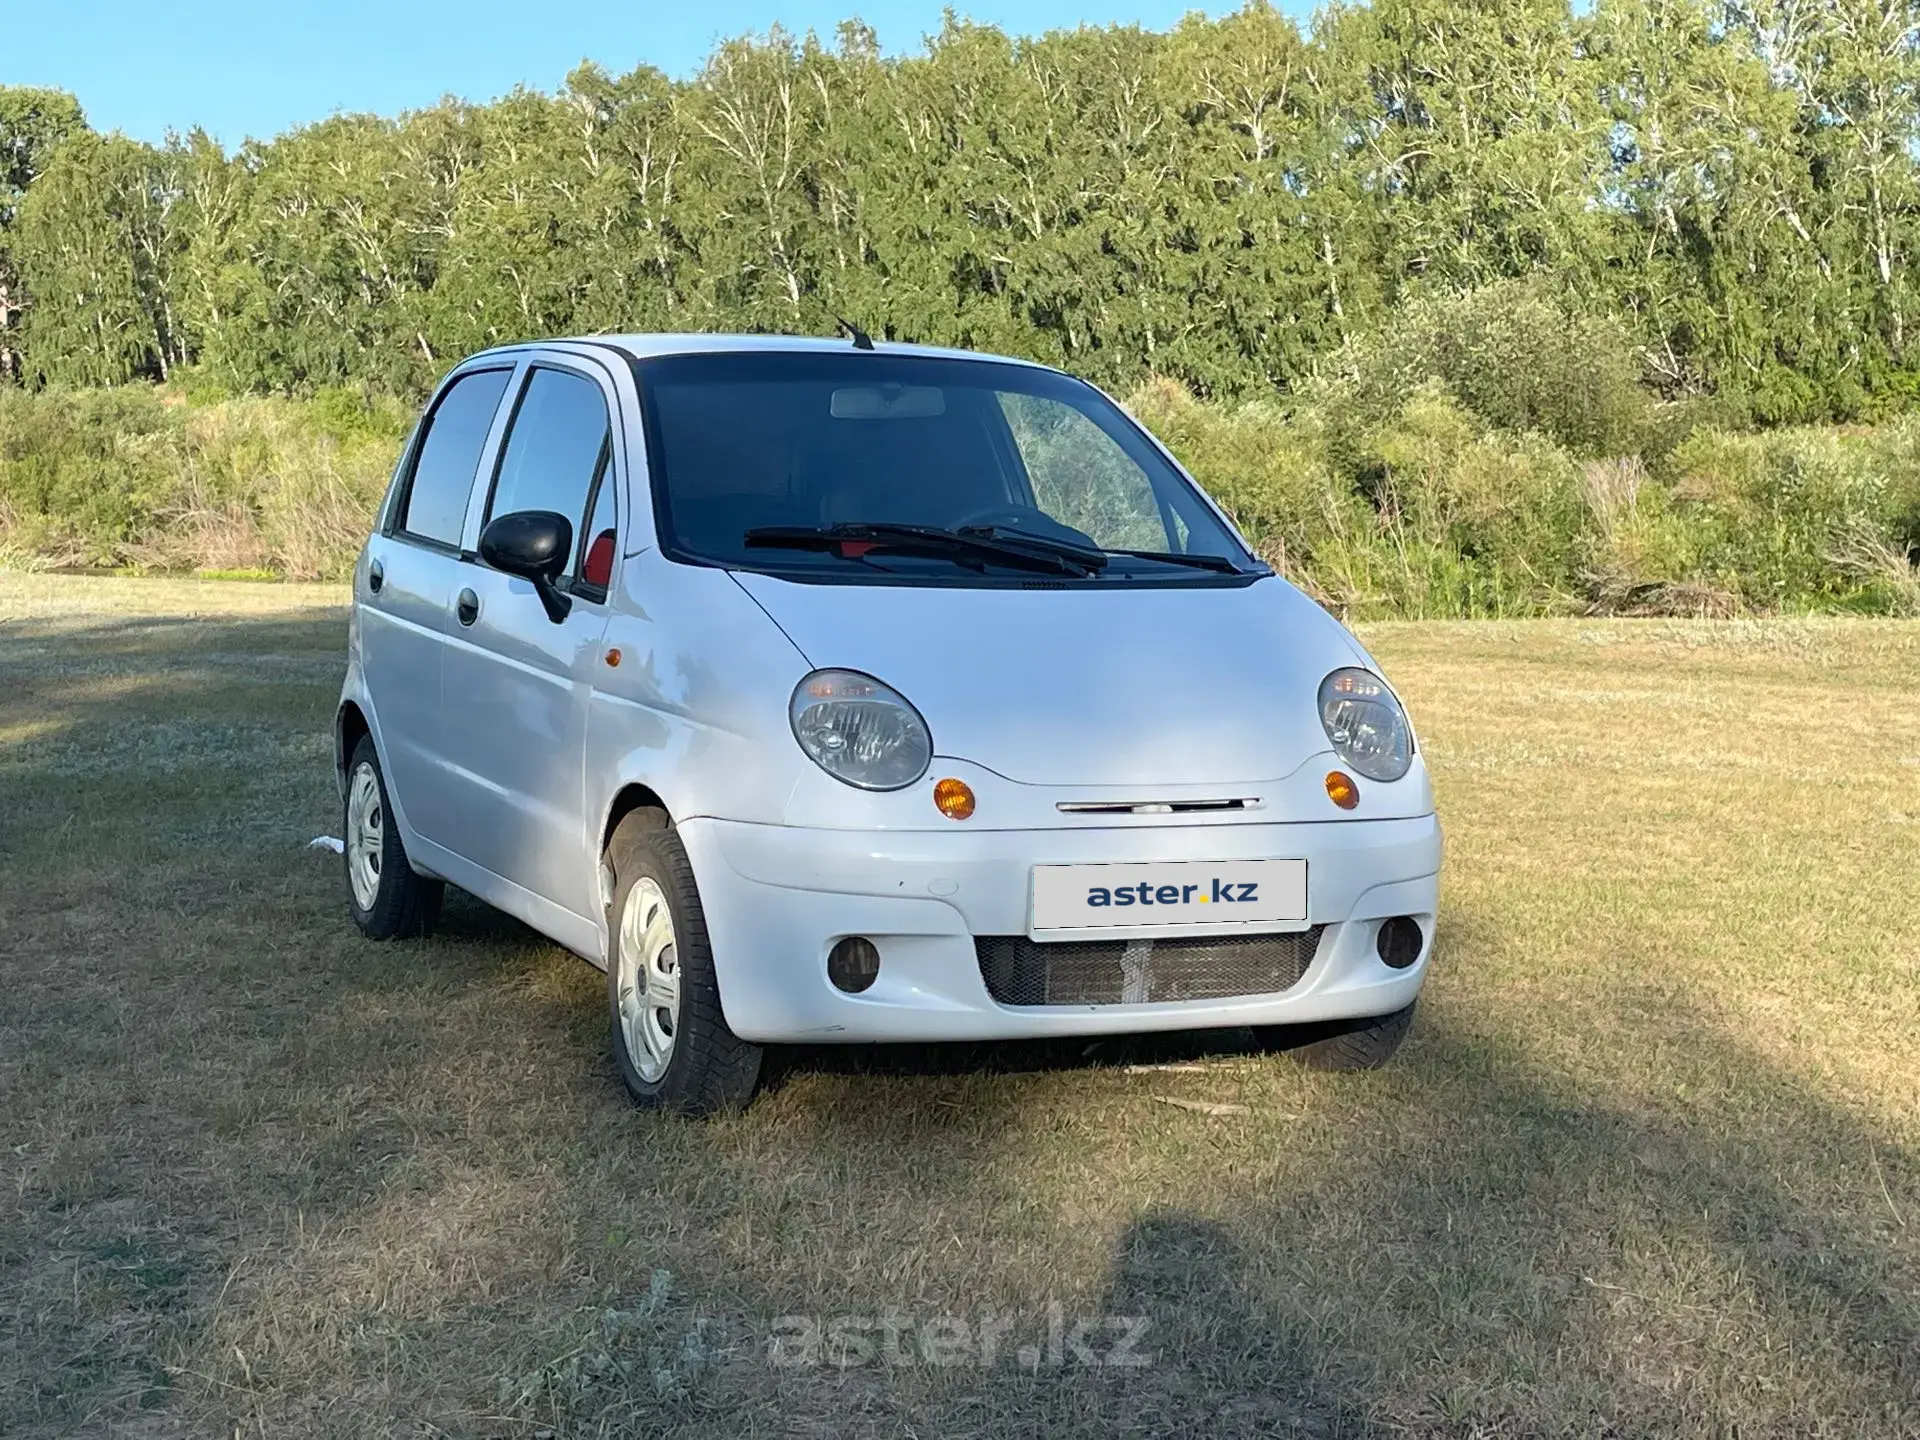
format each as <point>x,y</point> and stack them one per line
<point>1650,1164</point>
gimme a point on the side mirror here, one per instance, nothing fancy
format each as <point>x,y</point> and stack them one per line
<point>535,545</point>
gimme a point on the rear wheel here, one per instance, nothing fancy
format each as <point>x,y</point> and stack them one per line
<point>671,1043</point>
<point>1365,1044</point>
<point>390,901</point>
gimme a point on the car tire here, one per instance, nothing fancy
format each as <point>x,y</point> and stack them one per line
<point>1364,1044</point>
<point>678,1055</point>
<point>389,898</point>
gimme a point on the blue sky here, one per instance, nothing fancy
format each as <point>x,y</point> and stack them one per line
<point>256,67</point>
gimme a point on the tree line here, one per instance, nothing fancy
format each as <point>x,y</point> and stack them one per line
<point>1730,184</point>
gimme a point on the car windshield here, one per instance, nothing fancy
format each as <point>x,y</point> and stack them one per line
<point>865,466</point>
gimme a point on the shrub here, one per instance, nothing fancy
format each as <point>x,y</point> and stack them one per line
<point>82,471</point>
<point>1500,511</point>
<point>1411,504</point>
<point>1272,477</point>
<point>1511,354</point>
<point>1791,511</point>
<point>138,476</point>
<point>1640,553</point>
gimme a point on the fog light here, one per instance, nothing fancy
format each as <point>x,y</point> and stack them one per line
<point>1399,941</point>
<point>953,798</point>
<point>1341,790</point>
<point>853,964</point>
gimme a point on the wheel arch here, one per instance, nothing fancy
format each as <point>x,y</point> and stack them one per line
<point>631,798</point>
<point>350,726</point>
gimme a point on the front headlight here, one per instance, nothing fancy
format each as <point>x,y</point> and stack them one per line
<point>859,731</point>
<point>1368,728</point>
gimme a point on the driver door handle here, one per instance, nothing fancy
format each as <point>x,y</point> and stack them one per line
<point>467,607</point>
<point>376,576</point>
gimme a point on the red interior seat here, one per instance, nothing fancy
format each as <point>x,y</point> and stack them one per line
<point>599,567</point>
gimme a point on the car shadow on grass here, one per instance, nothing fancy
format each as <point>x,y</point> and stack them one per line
<point>788,1063</point>
<point>1470,1241</point>
<point>1477,1246</point>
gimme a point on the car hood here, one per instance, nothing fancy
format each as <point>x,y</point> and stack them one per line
<point>1084,685</point>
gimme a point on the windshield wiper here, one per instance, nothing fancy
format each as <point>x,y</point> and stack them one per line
<point>854,540</point>
<point>1218,563</point>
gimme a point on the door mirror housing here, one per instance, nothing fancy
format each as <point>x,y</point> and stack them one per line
<point>535,545</point>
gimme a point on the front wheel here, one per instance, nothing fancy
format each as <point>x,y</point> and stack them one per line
<point>390,900</point>
<point>671,1043</point>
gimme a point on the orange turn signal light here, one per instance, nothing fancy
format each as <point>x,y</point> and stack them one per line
<point>1341,790</point>
<point>953,798</point>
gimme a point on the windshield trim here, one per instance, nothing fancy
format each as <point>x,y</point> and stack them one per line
<point>1132,570</point>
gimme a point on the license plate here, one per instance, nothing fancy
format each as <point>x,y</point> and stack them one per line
<point>1175,892</point>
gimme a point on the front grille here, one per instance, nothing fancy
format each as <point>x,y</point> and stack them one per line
<point>1153,807</point>
<point>1019,971</point>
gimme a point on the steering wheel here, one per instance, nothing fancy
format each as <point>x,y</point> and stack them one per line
<point>1027,520</point>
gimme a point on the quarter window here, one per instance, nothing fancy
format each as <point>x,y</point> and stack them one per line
<point>597,539</point>
<point>449,456</point>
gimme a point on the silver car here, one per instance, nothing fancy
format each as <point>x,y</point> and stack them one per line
<point>851,692</point>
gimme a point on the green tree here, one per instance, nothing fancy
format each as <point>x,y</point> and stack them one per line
<point>331,248</point>
<point>1851,69</point>
<point>1265,257</point>
<point>96,238</point>
<point>1234,204</point>
<point>32,123</point>
<point>1477,132</point>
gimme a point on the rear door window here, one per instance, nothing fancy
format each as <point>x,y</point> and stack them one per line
<point>557,457</point>
<point>449,457</point>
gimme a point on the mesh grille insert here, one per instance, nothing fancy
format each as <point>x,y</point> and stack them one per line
<point>1019,971</point>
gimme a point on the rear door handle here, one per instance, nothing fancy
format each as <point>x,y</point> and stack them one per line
<point>467,607</point>
<point>376,576</point>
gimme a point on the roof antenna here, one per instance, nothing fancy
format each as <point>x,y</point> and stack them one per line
<point>861,340</point>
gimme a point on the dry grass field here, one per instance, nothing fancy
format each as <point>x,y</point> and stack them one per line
<point>1650,1164</point>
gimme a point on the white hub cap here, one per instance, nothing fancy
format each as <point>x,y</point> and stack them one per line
<point>366,831</point>
<point>649,979</point>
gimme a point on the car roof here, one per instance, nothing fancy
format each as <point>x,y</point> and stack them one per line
<point>641,347</point>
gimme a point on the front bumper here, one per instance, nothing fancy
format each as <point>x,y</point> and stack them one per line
<point>777,898</point>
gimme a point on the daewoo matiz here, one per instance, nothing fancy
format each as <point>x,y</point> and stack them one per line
<point>851,692</point>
